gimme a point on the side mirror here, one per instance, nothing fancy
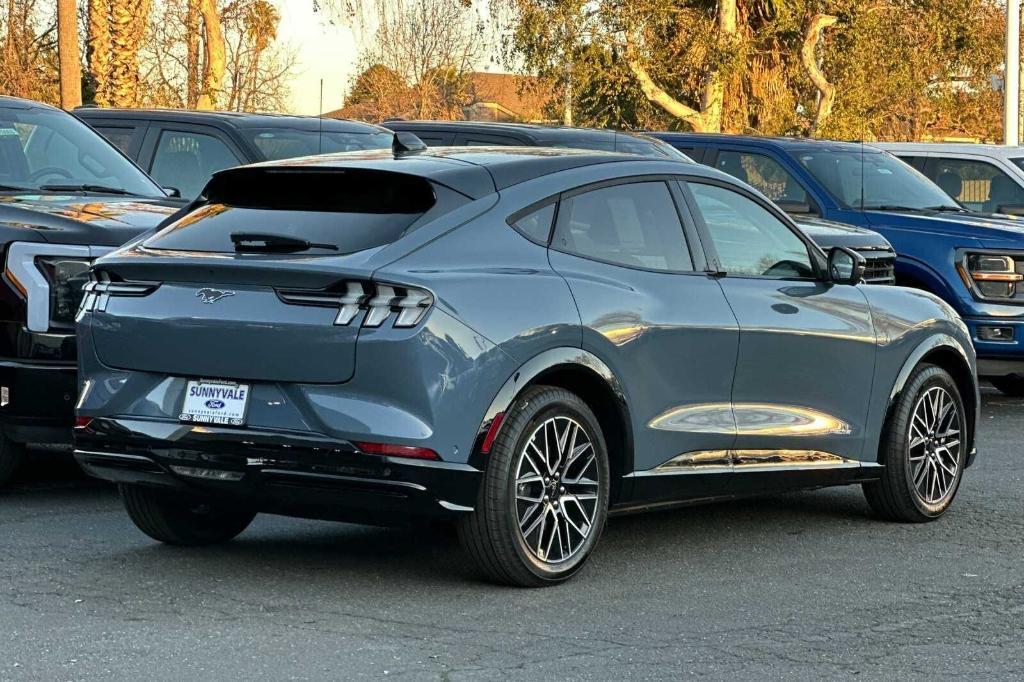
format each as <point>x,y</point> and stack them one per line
<point>845,266</point>
<point>796,207</point>
<point>173,192</point>
<point>1011,209</point>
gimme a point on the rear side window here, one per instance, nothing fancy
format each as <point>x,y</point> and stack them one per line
<point>537,224</point>
<point>634,224</point>
<point>349,210</point>
<point>119,137</point>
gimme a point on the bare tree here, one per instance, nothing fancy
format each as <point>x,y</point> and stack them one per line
<point>432,46</point>
<point>29,47</point>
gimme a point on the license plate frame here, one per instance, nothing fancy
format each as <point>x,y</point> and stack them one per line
<point>218,405</point>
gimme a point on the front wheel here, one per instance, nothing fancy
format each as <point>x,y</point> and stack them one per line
<point>924,450</point>
<point>1011,385</point>
<point>178,520</point>
<point>543,501</point>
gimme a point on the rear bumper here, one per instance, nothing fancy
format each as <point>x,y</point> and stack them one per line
<point>40,401</point>
<point>303,475</point>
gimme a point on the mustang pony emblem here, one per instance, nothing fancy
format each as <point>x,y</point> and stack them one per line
<point>212,295</point>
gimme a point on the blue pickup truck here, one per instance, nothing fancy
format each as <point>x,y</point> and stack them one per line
<point>973,261</point>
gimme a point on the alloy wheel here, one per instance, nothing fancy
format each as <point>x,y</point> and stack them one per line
<point>557,490</point>
<point>935,446</point>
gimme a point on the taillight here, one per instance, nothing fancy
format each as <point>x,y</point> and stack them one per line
<point>101,287</point>
<point>380,301</point>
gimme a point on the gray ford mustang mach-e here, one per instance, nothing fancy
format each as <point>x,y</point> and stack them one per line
<point>522,340</point>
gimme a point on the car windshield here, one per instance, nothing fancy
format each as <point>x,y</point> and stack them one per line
<point>873,180</point>
<point>42,148</point>
<point>289,143</point>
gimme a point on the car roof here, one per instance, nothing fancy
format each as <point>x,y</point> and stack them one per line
<point>997,150</point>
<point>473,171</point>
<point>787,144</point>
<point>235,119</point>
<point>9,102</point>
<point>533,130</point>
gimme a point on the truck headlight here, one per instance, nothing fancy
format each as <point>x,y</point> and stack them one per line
<point>993,276</point>
<point>66,277</point>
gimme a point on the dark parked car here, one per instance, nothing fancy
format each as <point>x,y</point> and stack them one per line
<point>973,262</point>
<point>180,148</point>
<point>66,197</point>
<point>826,234</point>
<point>519,340</point>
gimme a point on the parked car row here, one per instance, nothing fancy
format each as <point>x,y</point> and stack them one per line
<point>520,341</point>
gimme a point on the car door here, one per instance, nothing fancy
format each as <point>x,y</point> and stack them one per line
<point>659,321</point>
<point>806,347</point>
<point>184,156</point>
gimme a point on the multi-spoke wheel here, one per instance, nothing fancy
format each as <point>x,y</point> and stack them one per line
<point>923,449</point>
<point>544,499</point>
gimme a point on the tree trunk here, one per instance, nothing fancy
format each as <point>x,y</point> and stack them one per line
<point>192,28</point>
<point>128,20</point>
<point>67,46</point>
<point>808,55</point>
<point>215,53</point>
<point>98,45</point>
<point>709,118</point>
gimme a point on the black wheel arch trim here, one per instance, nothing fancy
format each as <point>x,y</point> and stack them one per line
<point>941,342</point>
<point>532,372</point>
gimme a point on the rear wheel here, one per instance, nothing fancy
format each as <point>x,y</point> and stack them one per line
<point>11,456</point>
<point>176,520</point>
<point>924,449</point>
<point>1011,385</point>
<point>543,502</point>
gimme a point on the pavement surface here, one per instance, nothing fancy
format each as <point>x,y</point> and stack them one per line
<point>802,586</point>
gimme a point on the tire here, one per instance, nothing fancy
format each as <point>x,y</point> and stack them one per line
<point>1011,385</point>
<point>11,456</point>
<point>176,520</point>
<point>924,457</point>
<point>514,487</point>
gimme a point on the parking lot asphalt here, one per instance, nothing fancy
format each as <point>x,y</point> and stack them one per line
<point>804,585</point>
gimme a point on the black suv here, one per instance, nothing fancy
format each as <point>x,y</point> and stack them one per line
<point>181,148</point>
<point>66,197</point>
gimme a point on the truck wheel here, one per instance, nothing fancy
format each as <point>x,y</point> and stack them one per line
<point>177,520</point>
<point>924,448</point>
<point>1011,385</point>
<point>543,501</point>
<point>11,456</point>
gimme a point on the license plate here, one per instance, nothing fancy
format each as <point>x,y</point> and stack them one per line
<point>215,402</point>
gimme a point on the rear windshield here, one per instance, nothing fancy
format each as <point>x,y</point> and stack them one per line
<point>348,210</point>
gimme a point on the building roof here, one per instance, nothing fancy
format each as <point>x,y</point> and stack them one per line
<point>523,98</point>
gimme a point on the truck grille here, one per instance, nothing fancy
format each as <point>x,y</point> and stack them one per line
<point>881,267</point>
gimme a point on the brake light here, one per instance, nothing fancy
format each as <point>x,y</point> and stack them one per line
<point>82,423</point>
<point>389,450</point>
<point>379,301</point>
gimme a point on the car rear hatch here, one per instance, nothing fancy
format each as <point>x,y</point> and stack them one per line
<point>270,280</point>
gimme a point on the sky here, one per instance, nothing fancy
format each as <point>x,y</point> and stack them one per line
<point>323,51</point>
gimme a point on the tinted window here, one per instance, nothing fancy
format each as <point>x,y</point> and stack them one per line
<point>872,180</point>
<point>635,225</point>
<point>119,137</point>
<point>748,238</point>
<point>351,210</point>
<point>764,173</point>
<point>186,160</point>
<point>978,185</point>
<point>288,143</point>
<point>537,225</point>
<point>40,147</point>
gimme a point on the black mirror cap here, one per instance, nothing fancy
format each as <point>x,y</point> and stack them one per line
<point>796,207</point>
<point>1011,209</point>
<point>407,143</point>
<point>845,266</point>
<point>173,192</point>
